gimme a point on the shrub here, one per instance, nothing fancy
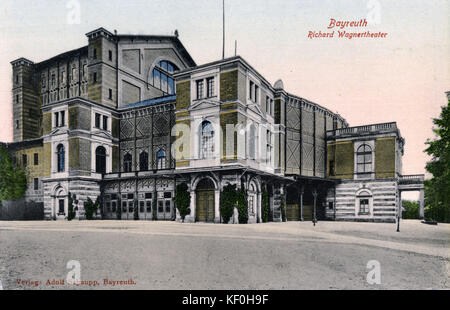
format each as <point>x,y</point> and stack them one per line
<point>182,200</point>
<point>242,206</point>
<point>411,209</point>
<point>71,213</point>
<point>265,206</point>
<point>135,210</point>
<point>119,209</point>
<point>283,209</point>
<point>227,202</point>
<point>13,180</point>
<point>154,203</point>
<point>90,208</point>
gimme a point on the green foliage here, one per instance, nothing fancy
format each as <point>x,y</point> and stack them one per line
<point>119,209</point>
<point>227,202</point>
<point>90,208</point>
<point>135,210</point>
<point>283,208</point>
<point>13,180</point>
<point>437,189</point>
<point>71,214</point>
<point>411,210</point>
<point>154,203</point>
<point>242,206</point>
<point>265,206</point>
<point>182,200</point>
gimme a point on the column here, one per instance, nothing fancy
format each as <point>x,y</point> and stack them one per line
<point>216,206</point>
<point>421,204</point>
<point>315,206</point>
<point>193,206</point>
<point>259,209</point>
<point>302,190</point>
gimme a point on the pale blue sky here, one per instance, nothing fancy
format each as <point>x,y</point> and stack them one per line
<point>401,78</point>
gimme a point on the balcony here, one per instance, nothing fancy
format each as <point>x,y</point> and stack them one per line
<point>363,130</point>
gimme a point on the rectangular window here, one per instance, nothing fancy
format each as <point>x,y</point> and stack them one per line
<point>256,93</point>
<point>199,89</point>
<point>56,119</point>
<point>167,195</point>
<point>97,120</point>
<point>364,206</point>
<point>130,196</point>
<point>267,105</point>
<point>148,195</point>
<point>95,53</point>
<point>110,94</point>
<point>17,124</point>
<point>36,159</point>
<point>53,80</point>
<point>63,77</point>
<point>17,98</point>
<point>105,122</point>
<point>149,206</point>
<point>251,89</point>
<point>36,184</point>
<point>74,73</point>
<point>94,77</point>
<point>63,118</point>
<point>330,205</point>
<point>210,90</point>
<point>24,160</point>
<point>17,79</point>
<point>85,71</point>
<point>130,206</point>
<point>110,55</point>
<point>269,148</point>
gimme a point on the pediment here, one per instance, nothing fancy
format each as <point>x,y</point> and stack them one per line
<point>103,134</point>
<point>204,104</point>
<point>255,108</point>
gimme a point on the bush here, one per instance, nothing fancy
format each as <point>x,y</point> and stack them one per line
<point>13,180</point>
<point>265,206</point>
<point>154,203</point>
<point>227,202</point>
<point>182,200</point>
<point>135,210</point>
<point>283,209</point>
<point>242,206</point>
<point>71,213</point>
<point>411,210</point>
<point>90,208</point>
<point>119,209</point>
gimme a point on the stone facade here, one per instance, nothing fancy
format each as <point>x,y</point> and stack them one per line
<point>127,118</point>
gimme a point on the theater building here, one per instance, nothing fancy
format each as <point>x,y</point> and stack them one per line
<point>128,117</point>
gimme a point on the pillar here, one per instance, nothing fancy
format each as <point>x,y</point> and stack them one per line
<point>421,204</point>
<point>302,190</point>
<point>315,206</point>
<point>217,206</point>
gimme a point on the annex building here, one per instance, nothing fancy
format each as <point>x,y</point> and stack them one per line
<point>128,117</point>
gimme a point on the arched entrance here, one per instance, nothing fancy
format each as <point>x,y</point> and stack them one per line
<point>205,211</point>
<point>60,203</point>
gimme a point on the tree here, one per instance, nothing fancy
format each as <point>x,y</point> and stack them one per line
<point>241,203</point>
<point>182,200</point>
<point>71,214</point>
<point>227,202</point>
<point>13,180</point>
<point>437,189</point>
<point>411,210</point>
<point>265,206</point>
<point>90,208</point>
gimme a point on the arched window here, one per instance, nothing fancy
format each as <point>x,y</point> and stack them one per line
<point>100,160</point>
<point>143,161</point>
<point>161,76</point>
<point>127,162</point>
<point>61,157</point>
<point>161,159</point>
<point>207,141</point>
<point>364,159</point>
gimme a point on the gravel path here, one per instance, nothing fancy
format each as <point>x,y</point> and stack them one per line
<point>169,255</point>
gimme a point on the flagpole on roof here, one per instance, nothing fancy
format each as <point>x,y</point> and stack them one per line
<point>223,41</point>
